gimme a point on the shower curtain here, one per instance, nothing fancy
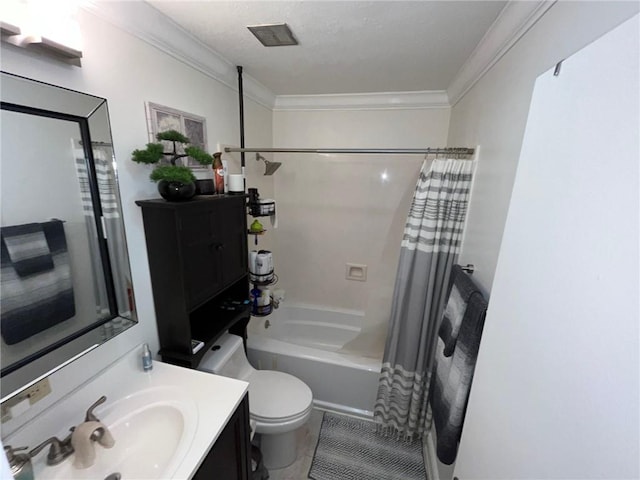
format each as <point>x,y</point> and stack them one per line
<point>431,242</point>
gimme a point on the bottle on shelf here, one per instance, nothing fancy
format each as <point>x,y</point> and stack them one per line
<point>218,173</point>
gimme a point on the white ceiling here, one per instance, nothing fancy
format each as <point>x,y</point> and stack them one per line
<point>344,46</point>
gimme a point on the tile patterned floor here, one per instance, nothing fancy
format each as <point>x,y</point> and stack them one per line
<point>307,439</point>
<point>306,446</point>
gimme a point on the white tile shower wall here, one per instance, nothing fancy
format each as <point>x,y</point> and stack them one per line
<point>338,209</point>
<point>129,72</point>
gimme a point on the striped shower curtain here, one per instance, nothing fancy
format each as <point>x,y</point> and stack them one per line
<point>431,242</point>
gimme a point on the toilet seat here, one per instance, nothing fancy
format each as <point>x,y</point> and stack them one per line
<point>278,401</point>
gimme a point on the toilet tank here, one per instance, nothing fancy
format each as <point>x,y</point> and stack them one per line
<point>227,358</point>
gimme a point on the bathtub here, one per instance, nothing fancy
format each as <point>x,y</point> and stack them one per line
<point>322,348</point>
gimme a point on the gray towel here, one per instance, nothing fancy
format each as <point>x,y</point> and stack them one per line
<point>461,288</point>
<point>451,380</point>
<point>27,248</point>
<point>33,303</point>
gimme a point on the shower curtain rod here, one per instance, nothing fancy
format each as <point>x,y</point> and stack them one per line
<point>391,151</point>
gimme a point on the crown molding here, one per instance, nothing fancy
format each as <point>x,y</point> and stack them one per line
<point>364,101</point>
<point>151,26</point>
<point>513,22</point>
<point>148,24</point>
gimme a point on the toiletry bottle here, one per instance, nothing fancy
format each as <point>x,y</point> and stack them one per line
<point>218,173</point>
<point>19,463</point>
<point>147,361</point>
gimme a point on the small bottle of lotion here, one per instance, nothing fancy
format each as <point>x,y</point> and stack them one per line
<point>147,361</point>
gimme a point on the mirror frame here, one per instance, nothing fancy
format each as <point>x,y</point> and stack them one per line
<point>37,365</point>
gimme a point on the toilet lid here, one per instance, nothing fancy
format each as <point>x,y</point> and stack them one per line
<point>277,395</point>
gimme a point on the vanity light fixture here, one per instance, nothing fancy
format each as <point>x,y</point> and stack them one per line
<point>8,29</point>
<point>48,47</point>
<point>273,35</point>
<point>36,23</point>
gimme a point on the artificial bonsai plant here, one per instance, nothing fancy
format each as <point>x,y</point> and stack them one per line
<point>175,182</point>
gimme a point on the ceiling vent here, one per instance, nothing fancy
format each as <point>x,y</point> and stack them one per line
<point>276,35</point>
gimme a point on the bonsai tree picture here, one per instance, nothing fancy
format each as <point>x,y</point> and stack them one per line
<point>175,182</point>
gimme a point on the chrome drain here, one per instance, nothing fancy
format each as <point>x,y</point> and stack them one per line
<point>113,476</point>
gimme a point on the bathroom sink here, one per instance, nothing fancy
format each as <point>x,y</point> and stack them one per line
<point>153,429</point>
<point>164,422</point>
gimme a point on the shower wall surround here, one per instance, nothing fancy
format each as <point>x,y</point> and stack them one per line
<point>340,209</point>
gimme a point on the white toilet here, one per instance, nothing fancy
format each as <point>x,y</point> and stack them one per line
<point>279,403</point>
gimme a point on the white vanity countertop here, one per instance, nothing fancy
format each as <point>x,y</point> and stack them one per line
<point>212,399</point>
<point>216,397</point>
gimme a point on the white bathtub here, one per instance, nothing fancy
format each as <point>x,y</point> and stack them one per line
<point>314,345</point>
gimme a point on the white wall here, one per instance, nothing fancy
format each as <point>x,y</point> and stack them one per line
<point>337,209</point>
<point>556,388</point>
<point>128,72</point>
<point>493,115</point>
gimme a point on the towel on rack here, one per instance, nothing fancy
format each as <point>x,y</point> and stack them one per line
<point>33,303</point>
<point>461,288</point>
<point>27,248</point>
<point>451,379</point>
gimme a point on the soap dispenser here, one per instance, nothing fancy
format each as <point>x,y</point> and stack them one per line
<point>20,463</point>
<point>147,361</point>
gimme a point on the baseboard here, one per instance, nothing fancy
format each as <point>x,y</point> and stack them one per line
<point>431,460</point>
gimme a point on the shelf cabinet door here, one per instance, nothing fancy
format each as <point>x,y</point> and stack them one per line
<point>213,247</point>
<point>200,249</point>
<point>233,254</point>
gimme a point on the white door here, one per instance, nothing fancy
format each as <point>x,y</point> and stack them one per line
<point>556,388</point>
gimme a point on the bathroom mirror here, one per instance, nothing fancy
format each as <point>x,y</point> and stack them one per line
<point>65,284</point>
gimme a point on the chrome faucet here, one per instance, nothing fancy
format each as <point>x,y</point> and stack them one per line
<point>80,441</point>
<point>86,434</point>
<point>83,439</point>
<point>89,416</point>
<point>59,450</point>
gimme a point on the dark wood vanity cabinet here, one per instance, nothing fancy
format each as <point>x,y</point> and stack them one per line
<point>230,456</point>
<point>198,261</point>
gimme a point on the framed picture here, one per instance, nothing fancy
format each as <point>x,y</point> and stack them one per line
<point>161,119</point>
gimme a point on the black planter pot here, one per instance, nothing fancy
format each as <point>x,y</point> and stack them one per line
<point>176,191</point>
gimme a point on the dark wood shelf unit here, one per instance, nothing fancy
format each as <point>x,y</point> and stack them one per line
<point>198,260</point>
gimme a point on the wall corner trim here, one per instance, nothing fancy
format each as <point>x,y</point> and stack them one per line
<point>513,22</point>
<point>364,101</point>
<point>148,24</point>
